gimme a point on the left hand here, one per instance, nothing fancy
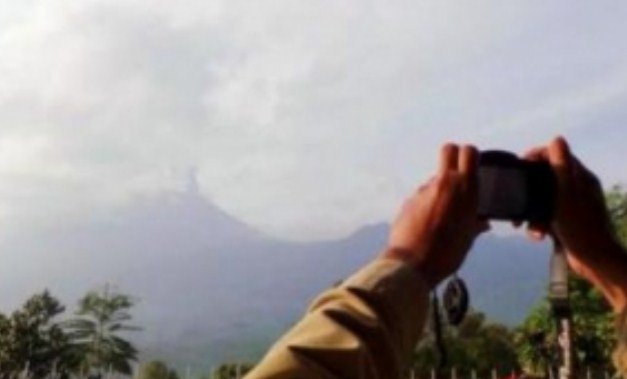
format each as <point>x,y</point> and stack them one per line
<point>438,224</point>
<point>582,223</point>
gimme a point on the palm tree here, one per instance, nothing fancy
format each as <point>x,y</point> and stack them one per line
<point>95,333</point>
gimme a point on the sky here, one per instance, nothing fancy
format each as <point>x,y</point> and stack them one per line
<point>306,119</point>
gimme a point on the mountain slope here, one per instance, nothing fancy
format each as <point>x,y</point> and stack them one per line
<point>213,289</point>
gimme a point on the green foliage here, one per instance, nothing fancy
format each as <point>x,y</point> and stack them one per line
<point>31,339</point>
<point>534,341</point>
<point>617,204</point>
<point>592,316</point>
<point>475,345</point>
<point>593,323</point>
<point>156,370</point>
<point>231,370</point>
<point>95,332</point>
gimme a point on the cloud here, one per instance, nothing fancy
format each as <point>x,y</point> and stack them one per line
<point>306,119</point>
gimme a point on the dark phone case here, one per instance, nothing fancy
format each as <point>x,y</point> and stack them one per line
<point>514,189</point>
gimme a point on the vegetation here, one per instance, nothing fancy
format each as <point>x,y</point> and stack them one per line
<point>95,332</point>
<point>156,370</point>
<point>231,370</point>
<point>592,317</point>
<point>94,341</point>
<point>593,321</point>
<point>480,346</point>
<point>617,204</point>
<point>476,345</point>
<point>33,339</point>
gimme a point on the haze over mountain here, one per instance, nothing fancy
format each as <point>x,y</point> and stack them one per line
<point>212,288</point>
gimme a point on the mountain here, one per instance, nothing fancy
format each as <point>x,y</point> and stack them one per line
<point>213,289</point>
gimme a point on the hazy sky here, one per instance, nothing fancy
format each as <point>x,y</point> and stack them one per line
<point>307,119</point>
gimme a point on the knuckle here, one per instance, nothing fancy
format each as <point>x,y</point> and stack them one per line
<point>469,149</point>
<point>448,182</point>
<point>442,181</point>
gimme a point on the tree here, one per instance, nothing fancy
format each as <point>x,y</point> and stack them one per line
<point>474,345</point>
<point>231,370</point>
<point>31,339</point>
<point>593,325</point>
<point>617,205</point>
<point>101,318</point>
<point>156,370</point>
<point>592,316</point>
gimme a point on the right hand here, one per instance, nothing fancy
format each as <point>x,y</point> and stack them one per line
<point>438,224</point>
<point>582,223</point>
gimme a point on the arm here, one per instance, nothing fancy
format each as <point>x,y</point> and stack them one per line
<point>368,326</point>
<point>583,225</point>
<point>365,328</point>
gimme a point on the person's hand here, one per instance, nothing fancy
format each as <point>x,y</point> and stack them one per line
<point>582,223</point>
<point>438,224</point>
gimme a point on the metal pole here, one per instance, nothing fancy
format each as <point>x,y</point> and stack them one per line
<point>560,304</point>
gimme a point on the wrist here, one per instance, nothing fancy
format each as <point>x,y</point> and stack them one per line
<point>609,275</point>
<point>410,258</point>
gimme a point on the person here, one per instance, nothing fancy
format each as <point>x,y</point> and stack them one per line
<point>368,326</point>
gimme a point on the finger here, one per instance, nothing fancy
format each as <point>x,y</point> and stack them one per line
<point>468,160</point>
<point>537,231</point>
<point>536,235</point>
<point>560,158</point>
<point>484,226</point>
<point>536,154</point>
<point>517,223</point>
<point>448,157</point>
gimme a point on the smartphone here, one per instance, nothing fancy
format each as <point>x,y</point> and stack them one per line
<point>514,189</point>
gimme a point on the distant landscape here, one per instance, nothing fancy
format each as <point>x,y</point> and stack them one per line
<point>212,289</point>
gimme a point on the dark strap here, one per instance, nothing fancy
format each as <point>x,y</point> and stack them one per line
<point>437,331</point>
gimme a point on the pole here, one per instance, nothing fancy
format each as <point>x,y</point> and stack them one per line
<point>560,305</point>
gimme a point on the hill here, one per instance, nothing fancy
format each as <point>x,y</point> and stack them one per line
<point>213,289</point>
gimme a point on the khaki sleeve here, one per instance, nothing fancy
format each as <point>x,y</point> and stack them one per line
<point>620,356</point>
<point>366,328</point>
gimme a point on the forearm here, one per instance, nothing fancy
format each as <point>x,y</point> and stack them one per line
<point>609,274</point>
<point>366,328</point>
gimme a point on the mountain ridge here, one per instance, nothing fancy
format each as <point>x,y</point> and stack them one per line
<point>214,289</point>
